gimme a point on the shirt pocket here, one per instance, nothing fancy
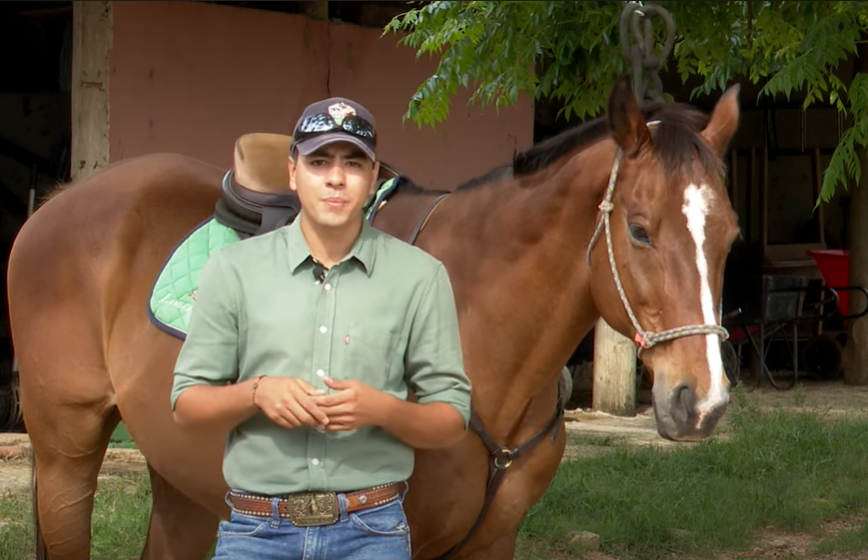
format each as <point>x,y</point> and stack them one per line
<point>370,353</point>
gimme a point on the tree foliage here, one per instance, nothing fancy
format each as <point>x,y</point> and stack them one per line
<point>570,52</point>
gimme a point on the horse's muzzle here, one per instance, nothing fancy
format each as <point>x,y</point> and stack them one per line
<point>681,417</point>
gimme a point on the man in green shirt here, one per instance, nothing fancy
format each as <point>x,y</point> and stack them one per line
<point>303,344</point>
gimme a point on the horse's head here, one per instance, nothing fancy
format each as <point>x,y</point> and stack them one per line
<point>672,226</point>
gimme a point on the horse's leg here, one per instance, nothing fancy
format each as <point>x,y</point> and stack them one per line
<point>185,466</point>
<point>501,549</point>
<point>68,441</point>
<point>180,529</point>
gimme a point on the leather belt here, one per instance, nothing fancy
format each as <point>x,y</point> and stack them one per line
<point>307,509</point>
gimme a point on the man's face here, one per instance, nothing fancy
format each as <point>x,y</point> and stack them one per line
<point>333,183</point>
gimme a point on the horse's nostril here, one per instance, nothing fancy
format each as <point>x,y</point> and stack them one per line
<point>683,403</point>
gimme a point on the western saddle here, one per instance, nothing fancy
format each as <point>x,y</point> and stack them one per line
<point>256,198</point>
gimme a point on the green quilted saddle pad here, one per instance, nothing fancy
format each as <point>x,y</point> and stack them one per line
<point>174,291</point>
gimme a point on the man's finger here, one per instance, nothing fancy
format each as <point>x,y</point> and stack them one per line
<point>282,422</point>
<point>333,399</point>
<point>303,415</point>
<point>319,417</point>
<point>338,384</point>
<point>336,411</point>
<point>292,414</point>
<point>307,387</point>
<point>310,407</point>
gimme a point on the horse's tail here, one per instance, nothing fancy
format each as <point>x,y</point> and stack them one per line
<point>41,551</point>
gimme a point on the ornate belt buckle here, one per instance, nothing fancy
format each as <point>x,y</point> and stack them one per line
<point>313,508</point>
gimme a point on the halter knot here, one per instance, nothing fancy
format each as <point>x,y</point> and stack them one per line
<point>642,341</point>
<point>606,206</point>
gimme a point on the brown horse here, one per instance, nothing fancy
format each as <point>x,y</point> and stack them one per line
<point>529,280</point>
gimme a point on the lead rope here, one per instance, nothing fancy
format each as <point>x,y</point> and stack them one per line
<point>642,338</point>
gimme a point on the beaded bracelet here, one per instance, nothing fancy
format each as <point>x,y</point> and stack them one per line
<point>255,387</point>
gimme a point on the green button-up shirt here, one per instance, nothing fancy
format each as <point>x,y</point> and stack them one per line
<point>385,315</point>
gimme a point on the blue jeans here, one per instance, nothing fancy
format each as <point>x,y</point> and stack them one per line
<point>377,533</point>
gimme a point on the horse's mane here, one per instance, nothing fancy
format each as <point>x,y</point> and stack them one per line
<point>409,186</point>
<point>676,144</point>
<point>51,192</point>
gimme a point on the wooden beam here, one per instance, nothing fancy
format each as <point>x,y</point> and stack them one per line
<point>61,12</point>
<point>379,14</point>
<point>315,9</point>
<point>92,34</point>
<point>614,389</point>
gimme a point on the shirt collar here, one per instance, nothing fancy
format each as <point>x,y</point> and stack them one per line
<point>363,250</point>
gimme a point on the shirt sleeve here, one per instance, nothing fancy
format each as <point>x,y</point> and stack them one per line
<point>209,355</point>
<point>434,365</point>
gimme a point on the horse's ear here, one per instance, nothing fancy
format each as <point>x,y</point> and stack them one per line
<point>724,121</point>
<point>625,119</point>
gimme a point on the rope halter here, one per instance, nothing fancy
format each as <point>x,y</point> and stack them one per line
<point>642,338</point>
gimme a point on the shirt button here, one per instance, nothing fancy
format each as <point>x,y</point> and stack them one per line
<point>328,287</point>
<point>320,372</point>
<point>314,462</point>
<point>323,329</point>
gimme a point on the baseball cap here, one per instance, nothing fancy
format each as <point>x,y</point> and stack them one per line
<point>336,119</point>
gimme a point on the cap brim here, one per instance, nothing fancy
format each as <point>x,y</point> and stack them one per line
<point>309,146</point>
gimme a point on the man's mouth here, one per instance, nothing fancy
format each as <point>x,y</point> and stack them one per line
<point>335,202</point>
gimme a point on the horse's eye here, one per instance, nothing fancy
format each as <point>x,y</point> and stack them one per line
<point>639,234</point>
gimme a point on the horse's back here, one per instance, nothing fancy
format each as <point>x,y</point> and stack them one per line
<point>86,243</point>
<point>112,210</point>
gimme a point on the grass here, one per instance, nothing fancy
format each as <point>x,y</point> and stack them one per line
<point>851,541</point>
<point>121,509</point>
<point>778,469</point>
<point>786,470</point>
<point>121,438</point>
<point>16,534</point>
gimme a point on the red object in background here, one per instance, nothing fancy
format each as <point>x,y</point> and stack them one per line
<point>834,265</point>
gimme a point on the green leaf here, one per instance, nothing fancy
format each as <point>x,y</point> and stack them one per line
<point>570,53</point>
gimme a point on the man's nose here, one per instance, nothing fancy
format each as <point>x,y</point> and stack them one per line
<point>336,176</point>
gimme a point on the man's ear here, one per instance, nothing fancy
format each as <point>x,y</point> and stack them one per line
<point>292,165</point>
<point>374,177</point>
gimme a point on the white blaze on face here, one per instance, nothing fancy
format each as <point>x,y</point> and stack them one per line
<point>696,208</point>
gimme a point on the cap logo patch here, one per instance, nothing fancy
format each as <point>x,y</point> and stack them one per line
<point>340,111</point>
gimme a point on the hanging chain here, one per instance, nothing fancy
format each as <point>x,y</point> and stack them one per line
<point>643,60</point>
<point>645,65</point>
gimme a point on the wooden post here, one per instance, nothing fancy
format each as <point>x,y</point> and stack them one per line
<point>764,199</point>
<point>817,169</point>
<point>614,372</point>
<point>92,33</point>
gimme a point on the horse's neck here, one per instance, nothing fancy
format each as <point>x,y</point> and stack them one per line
<point>515,254</point>
<point>400,216</point>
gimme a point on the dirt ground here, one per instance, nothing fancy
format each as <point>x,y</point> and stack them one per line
<point>832,397</point>
<point>15,462</point>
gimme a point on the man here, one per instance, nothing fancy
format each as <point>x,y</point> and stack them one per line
<point>302,346</point>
